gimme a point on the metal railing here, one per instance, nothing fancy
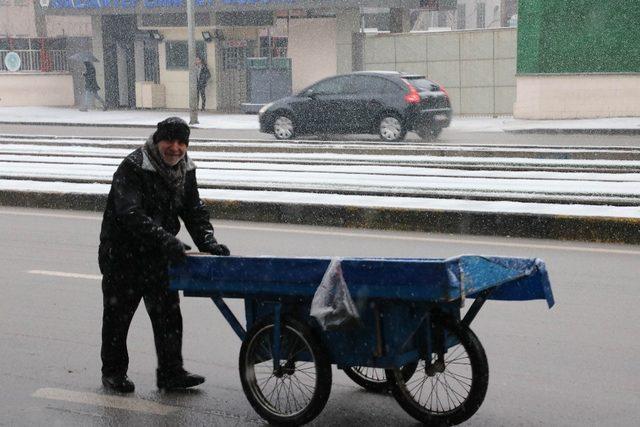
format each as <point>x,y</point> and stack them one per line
<point>38,60</point>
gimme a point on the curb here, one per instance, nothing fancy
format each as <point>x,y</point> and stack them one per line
<point>590,229</point>
<point>97,125</point>
<point>563,131</point>
<point>552,131</point>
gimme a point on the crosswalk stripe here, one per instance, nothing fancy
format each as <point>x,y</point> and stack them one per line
<point>64,274</point>
<point>108,401</point>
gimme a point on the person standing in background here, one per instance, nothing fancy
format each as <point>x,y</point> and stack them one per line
<point>203,78</point>
<point>91,88</point>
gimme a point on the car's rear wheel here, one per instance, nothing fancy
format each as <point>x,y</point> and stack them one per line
<point>428,133</point>
<point>283,127</point>
<point>391,128</point>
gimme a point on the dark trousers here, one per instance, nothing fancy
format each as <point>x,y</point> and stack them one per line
<point>202,95</point>
<point>120,301</point>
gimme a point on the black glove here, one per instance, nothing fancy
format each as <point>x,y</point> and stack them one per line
<point>218,249</point>
<point>176,251</point>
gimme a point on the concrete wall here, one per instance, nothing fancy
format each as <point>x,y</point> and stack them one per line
<point>476,67</point>
<point>68,26</point>
<point>312,49</point>
<point>17,21</point>
<point>571,96</point>
<point>36,89</point>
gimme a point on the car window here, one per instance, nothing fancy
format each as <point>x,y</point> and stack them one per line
<point>335,86</point>
<point>423,84</point>
<point>369,84</point>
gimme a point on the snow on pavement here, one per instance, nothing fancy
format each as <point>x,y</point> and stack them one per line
<point>408,203</point>
<point>321,156</point>
<point>326,180</point>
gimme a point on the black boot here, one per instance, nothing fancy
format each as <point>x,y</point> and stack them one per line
<point>119,383</point>
<point>178,379</point>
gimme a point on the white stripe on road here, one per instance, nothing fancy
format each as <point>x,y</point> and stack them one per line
<point>108,401</point>
<point>291,230</point>
<point>64,274</point>
<point>51,215</point>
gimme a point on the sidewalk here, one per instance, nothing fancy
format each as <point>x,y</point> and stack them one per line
<point>149,118</point>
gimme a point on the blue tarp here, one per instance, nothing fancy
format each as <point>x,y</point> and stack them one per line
<point>437,280</point>
<point>514,279</point>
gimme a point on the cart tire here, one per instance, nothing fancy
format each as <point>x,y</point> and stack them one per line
<point>299,393</point>
<point>375,379</point>
<point>446,398</point>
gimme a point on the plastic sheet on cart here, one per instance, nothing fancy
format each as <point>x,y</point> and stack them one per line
<point>332,305</point>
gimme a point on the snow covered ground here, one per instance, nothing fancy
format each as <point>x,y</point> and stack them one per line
<point>242,121</point>
<point>422,182</point>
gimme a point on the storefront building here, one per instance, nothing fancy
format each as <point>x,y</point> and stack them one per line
<point>142,45</point>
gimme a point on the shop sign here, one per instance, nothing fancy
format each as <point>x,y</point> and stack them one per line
<point>12,62</point>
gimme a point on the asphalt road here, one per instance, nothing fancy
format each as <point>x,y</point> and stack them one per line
<point>453,136</point>
<point>574,365</point>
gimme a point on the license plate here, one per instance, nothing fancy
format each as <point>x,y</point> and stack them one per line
<point>440,117</point>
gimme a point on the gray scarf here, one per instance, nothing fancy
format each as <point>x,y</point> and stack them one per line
<point>173,176</point>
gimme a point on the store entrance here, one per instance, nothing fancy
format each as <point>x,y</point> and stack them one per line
<point>118,34</point>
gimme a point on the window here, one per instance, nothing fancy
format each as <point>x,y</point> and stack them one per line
<point>462,16</point>
<point>363,84</point>
<point>234,57</point>
<point>442,19</point>
<point>423,84</point>
<point>278,48</point>
<point>480,17</point>
<point>151,66</point>
<point>334,86</point>
<point>177,54</point>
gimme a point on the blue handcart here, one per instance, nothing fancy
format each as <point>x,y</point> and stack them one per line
<point>411,336</point>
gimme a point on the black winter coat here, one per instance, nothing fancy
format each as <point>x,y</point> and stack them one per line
<point>90,82</point>
<point>141,220</point>
<point>203,77</point>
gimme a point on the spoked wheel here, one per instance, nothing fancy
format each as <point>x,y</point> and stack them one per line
<point>391,129</point>
<point>294,392</point>
<point>449,388</point>
<point>283,127</point>
<point>375,379</point>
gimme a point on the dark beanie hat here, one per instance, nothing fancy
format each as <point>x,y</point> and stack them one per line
<point>170,129</point>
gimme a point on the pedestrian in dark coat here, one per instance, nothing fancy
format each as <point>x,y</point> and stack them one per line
<point>203,78</point>
<point>153,187</point>
<point>91,88</point>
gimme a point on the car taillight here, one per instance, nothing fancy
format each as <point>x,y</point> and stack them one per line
<point>413,97</point>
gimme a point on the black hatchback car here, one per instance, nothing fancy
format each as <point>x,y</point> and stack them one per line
<point>387,103</point>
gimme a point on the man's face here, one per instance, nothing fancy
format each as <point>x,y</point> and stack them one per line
<point>172,151</point>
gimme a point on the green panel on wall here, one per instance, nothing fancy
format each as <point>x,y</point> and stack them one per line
<point>530,13</point>
<point>578,36</point>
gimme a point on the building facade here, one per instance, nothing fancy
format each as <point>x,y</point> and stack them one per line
<point>142,44</point>
<point>42,44</point>
<point>578,59</point>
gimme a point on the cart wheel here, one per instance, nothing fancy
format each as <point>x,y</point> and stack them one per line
<point>449,388</point>
<point>297,391</point>
<point>375,379</point>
